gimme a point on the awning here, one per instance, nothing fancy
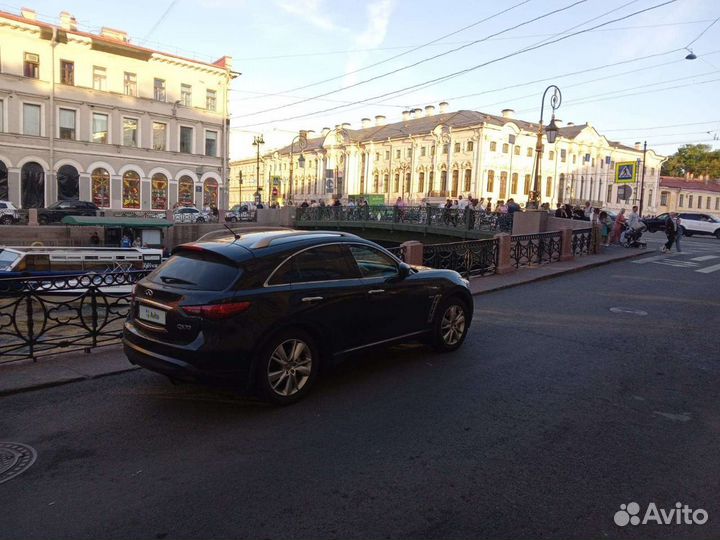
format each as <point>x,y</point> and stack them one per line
<point>137,223</point>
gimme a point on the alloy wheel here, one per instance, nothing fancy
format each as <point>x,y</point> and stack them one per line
<point>452,326</point>
<point>289,367</point>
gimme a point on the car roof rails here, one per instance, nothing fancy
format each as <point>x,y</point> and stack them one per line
<point>268,240</point>
<point>240,231</point>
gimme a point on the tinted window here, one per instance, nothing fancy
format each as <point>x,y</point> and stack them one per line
<point>323,263</point>
<point>192,270</point>
<point>373,263</point>
<point>3,205</point>
<point>7,258</point>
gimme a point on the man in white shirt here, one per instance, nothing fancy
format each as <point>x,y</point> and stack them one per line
<point>462,203</point>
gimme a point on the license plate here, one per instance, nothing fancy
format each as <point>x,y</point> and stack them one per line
<point>152,315</point>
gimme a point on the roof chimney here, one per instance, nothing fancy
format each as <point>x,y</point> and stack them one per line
<point>28,13</point>
<point>67,21</point>
<point>346,125</point>
<point>638,145</point>
<point>429,110</point>
<point>569,123</point>
<point>325,131</point>
<point>111,33</point>
<point>416,113</point>
<point>443,107</point>
<point>365,122</point>
<point>379,120</point>
<point>508,113</point>
<point>406,116</point>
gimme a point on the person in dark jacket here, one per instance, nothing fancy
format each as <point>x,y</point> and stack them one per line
<point>671,224</point>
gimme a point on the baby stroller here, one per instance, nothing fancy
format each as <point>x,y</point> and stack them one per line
<point>631,236</point>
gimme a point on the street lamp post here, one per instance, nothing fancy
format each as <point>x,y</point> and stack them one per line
<point>302,142</point>
<point>551,131</point>
<point>257,141</point>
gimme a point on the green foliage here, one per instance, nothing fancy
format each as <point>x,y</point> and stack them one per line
<point>697,159</point>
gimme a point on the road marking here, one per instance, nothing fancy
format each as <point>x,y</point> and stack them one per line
<point>706,258</point>
<point>645,260</point>
<point>709,269</point>
<point>677,263</point>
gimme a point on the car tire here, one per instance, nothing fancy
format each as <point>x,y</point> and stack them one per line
<point>200,220</point>
<point>450,325</point>
<point>233,220</point>
<point>6,220</point>
<point>717,234</point>
<point>42,220</point>
<point>287,367</point>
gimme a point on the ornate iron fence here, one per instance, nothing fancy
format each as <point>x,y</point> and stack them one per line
<point>531,249</point>
<point>48,315</point>
<point>581,242</point>
<point>431,216</point>
<point>472,258</point>
<point>399,251</point>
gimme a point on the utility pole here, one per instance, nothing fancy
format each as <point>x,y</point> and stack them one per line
<point>642,180</point>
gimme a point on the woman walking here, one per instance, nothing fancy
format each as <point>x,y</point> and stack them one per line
<point>618,227</point>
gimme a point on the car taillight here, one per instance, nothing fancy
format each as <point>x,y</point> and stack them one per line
<point>217,311</point>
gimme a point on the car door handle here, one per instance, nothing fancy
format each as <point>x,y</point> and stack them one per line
<point>313,298</point>
<point>376,291</point>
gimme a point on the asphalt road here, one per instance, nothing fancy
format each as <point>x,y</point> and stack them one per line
<point>555,412</point>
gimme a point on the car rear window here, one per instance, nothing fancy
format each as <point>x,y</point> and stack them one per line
<point>196,270</point>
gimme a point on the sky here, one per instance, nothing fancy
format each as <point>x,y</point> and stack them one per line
<point>298,58</point>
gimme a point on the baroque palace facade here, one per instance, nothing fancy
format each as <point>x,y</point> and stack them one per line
<point>435,156</point>
<point>96,118</point>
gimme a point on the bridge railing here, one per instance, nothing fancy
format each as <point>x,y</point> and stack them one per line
<point>471,259</point>
<point>430,216</point>
<point>52,314</point>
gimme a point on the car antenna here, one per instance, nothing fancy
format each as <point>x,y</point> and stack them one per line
<point>236,235</point>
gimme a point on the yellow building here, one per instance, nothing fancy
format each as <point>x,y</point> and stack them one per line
<point>689,195</point>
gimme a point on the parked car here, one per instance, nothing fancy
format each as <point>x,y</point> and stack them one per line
<point>265,309</point>
<point>241,212</point>
<point>190,214</point>
<point>656,223</point>
<point>58,210</point>
<point>8,213</point>
<point>696,223</point>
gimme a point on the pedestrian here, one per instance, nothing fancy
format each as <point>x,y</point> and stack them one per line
<point>679,229</point>
<point>125,242</point>
<point>94,239</point>
<point>604,220</point>
<point>671,224</point>
<point>304,204</point>
<point>587,210</point>
<point>488,207</point>
<point>618,227</point>
<point>512,206</point>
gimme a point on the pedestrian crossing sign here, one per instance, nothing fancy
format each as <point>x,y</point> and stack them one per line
<point>626,172</point>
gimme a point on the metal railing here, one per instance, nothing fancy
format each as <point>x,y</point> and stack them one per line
<point>431,216</point>
<point>48,315</point>
<point>532,249</point>
<point>400,252</point>
<point>581,242</point>
<point>471,259</point>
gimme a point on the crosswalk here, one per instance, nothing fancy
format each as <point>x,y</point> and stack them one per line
<point>697,258</point>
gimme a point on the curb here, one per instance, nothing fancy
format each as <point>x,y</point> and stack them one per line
<point>568,271</point>
<point>63,382</point>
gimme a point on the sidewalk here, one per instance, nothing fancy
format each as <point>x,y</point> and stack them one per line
<point>26,375</point>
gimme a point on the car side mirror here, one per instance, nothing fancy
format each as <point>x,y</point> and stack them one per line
<point>403,270</point>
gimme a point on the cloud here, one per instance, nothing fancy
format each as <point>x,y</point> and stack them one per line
<point>379,14</point>
<point>311,11</point>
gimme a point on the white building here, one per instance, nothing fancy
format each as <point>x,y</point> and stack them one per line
<point>94,117</point>
<point>436,156</point>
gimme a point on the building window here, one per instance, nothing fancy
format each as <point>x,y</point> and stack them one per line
<point>548,186</point>
<point>31,119</point>
<point>408,153</point>
<point>505,148</point>
<point>387,155</point>
<point>31,65</point>
<point>717,203</point>
<point>493,146</point>
<point>491,181</point>
<point>529,151</point>
<point>186,139</point>
<point>514,183</point>
<point>130,132</point>
<point>516,150</point>
<point>663,198</point>
<point>186,95</point>
<point>690,201</point>
<point>563,156</point>
<point>527,184</point>
<point>186,191</point>
<point>469,146</point>
<point>32,185</point>
<point>100,128</point>
<point>551,155</point>
<point>159,136</point>
<point>211,143</point>
<point>457,147</point>
<point>468,175</point>
<point>158,197</point>
<point>446,148</point>
<point>609,193</point>
<point>397,154</point>
<point>682,201</point>
<point>423,151</point>
<point>421,182</point>
<point>67,72</point>
<point>652,171</point>
<point>210,193</point>
<point>574,159</point>
<point>397,183</point>
<point>99,78</point>
<point>2,119</point>
<point>131,190</point>
<point>68,183</point>
<point>376,183</point>
<point>699,201</point>
<point>211,100</point>
<point>130,84</point>
<point>67,124</point>
<point>443,183</point>
<point>100,188</point>
<point>159,90</point>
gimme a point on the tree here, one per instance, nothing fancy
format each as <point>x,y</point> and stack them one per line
<point>696,159</point>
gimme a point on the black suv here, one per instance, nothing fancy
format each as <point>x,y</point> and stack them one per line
<point>264,309</point>
<point>58,210</point>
